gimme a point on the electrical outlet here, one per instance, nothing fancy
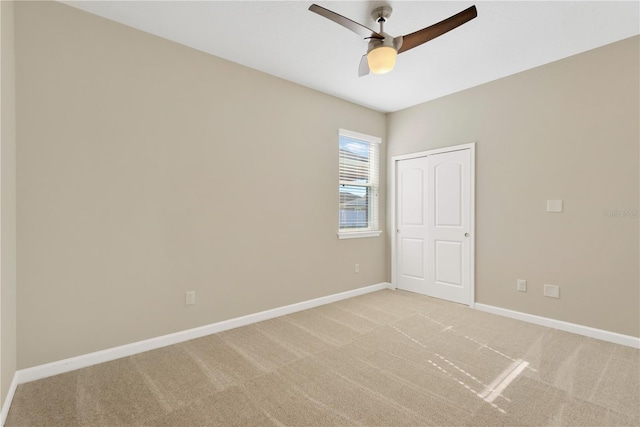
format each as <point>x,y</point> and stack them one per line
<point>190,297</point>
<point>552,291</point>
<point>357,268</point>
<point>521,285</point>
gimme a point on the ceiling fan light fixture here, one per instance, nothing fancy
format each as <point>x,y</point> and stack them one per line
<point>382,59</point>
<point>383,49</point>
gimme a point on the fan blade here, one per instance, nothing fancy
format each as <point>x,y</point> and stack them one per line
<point>359,29</point>
<point>424,35</point>
<point>363,69</point>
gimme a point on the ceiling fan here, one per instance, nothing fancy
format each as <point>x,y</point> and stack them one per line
<point>383,48</point>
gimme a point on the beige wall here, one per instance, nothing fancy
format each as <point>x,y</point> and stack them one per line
<point>7,201</point>
<point>146,169</point>
<point>567,130</point>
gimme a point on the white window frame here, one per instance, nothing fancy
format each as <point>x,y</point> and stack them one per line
<point>374,183</point>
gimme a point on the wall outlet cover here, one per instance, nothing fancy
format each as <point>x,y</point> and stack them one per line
<point>521,285</point>
<point>190,298</point>
<point>552,291</point>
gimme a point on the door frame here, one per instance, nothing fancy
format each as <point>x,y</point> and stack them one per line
<point>472,223</point>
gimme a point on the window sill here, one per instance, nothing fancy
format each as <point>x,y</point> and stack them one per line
<point>358,234</point>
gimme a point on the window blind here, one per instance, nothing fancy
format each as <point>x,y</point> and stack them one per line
<point>358,181</point>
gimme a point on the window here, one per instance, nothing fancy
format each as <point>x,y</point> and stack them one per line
<point>358,185</point>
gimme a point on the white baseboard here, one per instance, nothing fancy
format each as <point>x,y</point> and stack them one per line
<point>82,361</point>
<point>7,401</point>
<point>587,331</point>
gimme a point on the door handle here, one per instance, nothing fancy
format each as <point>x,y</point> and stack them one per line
<point>466,234</point>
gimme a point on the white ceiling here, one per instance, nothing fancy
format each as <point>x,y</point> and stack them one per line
<point>284,39</point>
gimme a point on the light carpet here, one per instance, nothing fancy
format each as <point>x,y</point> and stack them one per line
<point>390,358</point>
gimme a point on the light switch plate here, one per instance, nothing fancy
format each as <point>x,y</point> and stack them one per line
<point>554,206</point>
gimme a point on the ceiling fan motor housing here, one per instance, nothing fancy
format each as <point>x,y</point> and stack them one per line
<point>380,15</point>
<point>395,43</point>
